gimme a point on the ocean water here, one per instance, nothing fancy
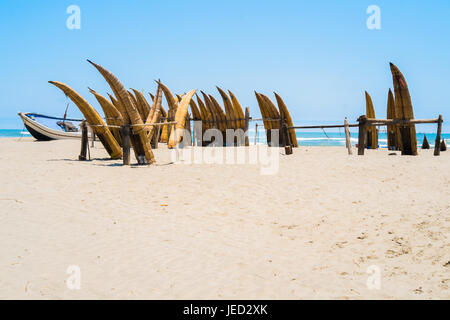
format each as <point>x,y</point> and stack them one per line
<point>13,133</point>
<point>310,138</point>
<point>304,138</point>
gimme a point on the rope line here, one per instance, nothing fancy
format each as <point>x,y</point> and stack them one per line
<point>325,133</point>
<point>135,125</point>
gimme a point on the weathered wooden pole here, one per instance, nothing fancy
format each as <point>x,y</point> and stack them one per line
<point>256,132</point>
<point>282,137</point>
<point>286,137</point>
<point>93,136</point>
<point>84,141</point>
<point>348,142</point>
<point>437,144</point>
<point>197,132</point>
<point>443,145</point>
<point>175,138</point>
<point>158,134</point>
<point>188,129</point>
<point>362,135</point>
<point>125,131</point>
<point>155,137</point>
<point>246,125</point>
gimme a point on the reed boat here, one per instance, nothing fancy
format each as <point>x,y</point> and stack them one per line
<point>66,127</point>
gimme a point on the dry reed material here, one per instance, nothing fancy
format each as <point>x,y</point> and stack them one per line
<point>404,111</point>
<point>372,132</point>
<point>112,115</point>
<point>119,107</point>
<point>211,111</point>
<point>284,112</point>
<point>142,103</point>
<point>135,104</point>
<point>392,134</point>
<point>273,112</point>
<point>232,123</point>
<point>172,104</point>
<point>94,119</point>
<point>180,118</point>
<point>221,116</point>
<point>238,111</point>
<point>155,113</point>
<point>139,139</point>
<point>265,115</point>
<point>196,114</point>
<point>206,115</point>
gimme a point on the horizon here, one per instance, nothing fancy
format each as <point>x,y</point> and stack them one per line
<point>320,57</point>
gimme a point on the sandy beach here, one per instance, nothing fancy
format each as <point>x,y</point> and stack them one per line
<point>206,231</point>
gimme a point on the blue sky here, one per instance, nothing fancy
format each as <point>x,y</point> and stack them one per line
<point>318,55</point>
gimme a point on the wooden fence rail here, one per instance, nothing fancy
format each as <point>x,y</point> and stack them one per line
<point>365,122</point>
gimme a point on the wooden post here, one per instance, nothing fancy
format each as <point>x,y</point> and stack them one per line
<point>348,142</point>
<point>256,132</point>
<point>175,138</point>
<point>93,137</point>
<point>188,128</point>
<point>197,132</point>
<point>286,137</point>
<point>126,143</point>
<point>247,121</point>
<point>437,144</point>
<point>155,137</point>
<point>362,135</point>
<point>157,133</point>
<point>282,137</point>
<point>84,141</point>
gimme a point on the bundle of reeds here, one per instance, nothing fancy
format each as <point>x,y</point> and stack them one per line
<point>139,139</point>
<point>272,118</point>
<point>404,111</point>
<point>94,119</point>
<point>392,136</point>
<point>372,132</point>
<point>112,116</point>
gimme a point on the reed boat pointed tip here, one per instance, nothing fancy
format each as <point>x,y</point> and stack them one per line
<point>91,62</point>
<point>394,68</point>
<point>222,93</point>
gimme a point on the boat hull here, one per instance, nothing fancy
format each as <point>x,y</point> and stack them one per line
<point>43,133</point>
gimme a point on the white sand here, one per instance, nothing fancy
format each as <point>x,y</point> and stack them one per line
<point>223,231</point>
